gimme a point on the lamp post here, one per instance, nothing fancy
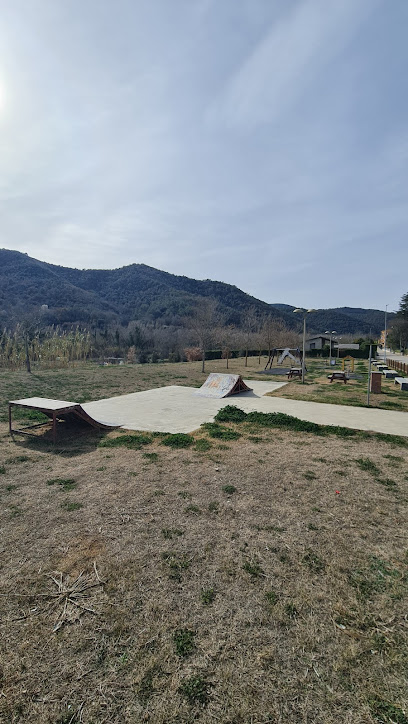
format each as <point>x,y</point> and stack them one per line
<point>304,312</point>
<point>385,336</point>
<point>331,335</point>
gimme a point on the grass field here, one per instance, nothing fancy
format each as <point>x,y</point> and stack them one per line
<point>83,382</point>
<point>256,575</point>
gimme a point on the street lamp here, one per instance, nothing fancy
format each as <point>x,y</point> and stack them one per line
<point>304,312</point>
<point>331,334</point>
<point>385,336</point>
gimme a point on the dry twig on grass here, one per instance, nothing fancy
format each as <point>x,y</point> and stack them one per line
<point>72,596</point>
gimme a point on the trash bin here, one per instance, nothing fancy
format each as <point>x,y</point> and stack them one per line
<point>375,385</point>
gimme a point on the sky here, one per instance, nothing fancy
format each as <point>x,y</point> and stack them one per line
<point>263,143</point>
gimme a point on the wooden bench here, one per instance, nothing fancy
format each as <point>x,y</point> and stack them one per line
<point>342,376</point>
<point>403,381</point>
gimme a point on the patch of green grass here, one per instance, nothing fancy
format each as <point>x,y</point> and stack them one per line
<point>101,469</point>
<point>131,442</point>
<point>196,690</point>
<point>18,459</point>
<point>193,509</point>
<point>15,511</point>
<point>64,483</point>
<point>272,598</point>
<point>184,494</point>
<point>2,470</point>
<point>394,458</point>
<point>314,562</point>
<point>386,713</point>
<point>229,489</point>
<point>178,440</point>
<point>269,528</point>
<point>230,413</point>
<point>202,445</point>
<point>309,475</point>
<point>220,432</point>
<point>177,563</point>
<point>152,457</point>
<point>169,533</point>
<point>207,596</point>
<point>70,506</point>
<point>387,482</point>
<point>253,568</point>
<point>255,439</point>
<point>146,687</point>
<point>213,507</point>
<point>368,466</point>
<point>184,642</point>
<point>312,526</point>
<point>291,610</point>
<point>10,488</point>
<point>158,492</point>
<point>374,579</point>
<point>281,420</point>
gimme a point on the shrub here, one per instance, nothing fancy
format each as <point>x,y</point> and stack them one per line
<point>193,354</point>
<point>230,413</point>
<point>179,439</point>
<point>280,419</point>
<point>229,489</point>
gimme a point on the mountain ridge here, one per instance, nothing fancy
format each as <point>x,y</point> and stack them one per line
<point>100,297</point>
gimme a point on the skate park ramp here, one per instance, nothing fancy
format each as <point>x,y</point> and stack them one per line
<point>220,385</point>
<point>62,409</point>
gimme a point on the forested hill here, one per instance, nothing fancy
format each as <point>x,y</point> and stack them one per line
<point>344,320</point>
<point>137,291</point>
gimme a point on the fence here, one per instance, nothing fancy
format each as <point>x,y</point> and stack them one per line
<point>396,365</point>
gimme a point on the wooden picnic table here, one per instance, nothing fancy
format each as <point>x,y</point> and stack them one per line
<point>342,376</point>
<point>295,372</point>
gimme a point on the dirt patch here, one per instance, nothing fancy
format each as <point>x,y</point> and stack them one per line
<point>80,555</point>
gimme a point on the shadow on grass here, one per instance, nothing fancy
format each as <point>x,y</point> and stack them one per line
<point>73,438</point>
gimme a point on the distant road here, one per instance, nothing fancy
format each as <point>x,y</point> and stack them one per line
<point>391,355</point>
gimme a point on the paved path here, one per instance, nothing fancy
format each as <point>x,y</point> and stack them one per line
<point>180,409</point>
<point>397,357</point>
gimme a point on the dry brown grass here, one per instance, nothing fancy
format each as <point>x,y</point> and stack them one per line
<point>308,618</point>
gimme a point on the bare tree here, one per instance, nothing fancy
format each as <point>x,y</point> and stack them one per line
<point>30,330</point>
<point>204,324</point>
<point>250,326</point>
<point>227,336</point>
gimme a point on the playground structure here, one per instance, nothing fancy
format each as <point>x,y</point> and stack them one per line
<point>282,353</point>
<point>347,364</point>
<point>219,385</point>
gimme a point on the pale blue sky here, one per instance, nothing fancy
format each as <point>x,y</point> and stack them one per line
<point>259,142</point>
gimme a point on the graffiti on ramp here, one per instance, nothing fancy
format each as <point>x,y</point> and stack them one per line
<point>219,385</point>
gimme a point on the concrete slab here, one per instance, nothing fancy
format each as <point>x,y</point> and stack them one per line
<point>179,409</point>
<point>170,409</point>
